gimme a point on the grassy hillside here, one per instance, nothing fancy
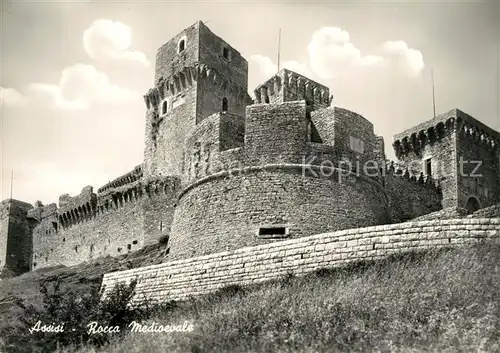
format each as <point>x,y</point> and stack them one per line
<point>75,278</point>
<point>447,301</point>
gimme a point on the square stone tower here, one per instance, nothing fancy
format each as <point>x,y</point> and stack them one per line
<point>459,152</point>
<point>197,74</point>
<point>16,241</point>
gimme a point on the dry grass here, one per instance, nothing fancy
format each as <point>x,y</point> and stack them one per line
<point>446,301</point>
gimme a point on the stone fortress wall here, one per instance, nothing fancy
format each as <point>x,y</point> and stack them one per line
<point>116,221</point>
<point>199,275</point>
<point>222,171</point>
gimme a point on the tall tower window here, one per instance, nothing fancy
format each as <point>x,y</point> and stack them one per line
<point>164,107</point>
<point>182,45</point>
<point>224,104</point>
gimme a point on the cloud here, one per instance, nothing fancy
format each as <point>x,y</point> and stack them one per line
<point>265,63</point>
<point>269,68</point>
<point>80,86</point>
<point>9,97</point>
<point>107,40</point>
<point>332,54</point>
<point>410,59</point>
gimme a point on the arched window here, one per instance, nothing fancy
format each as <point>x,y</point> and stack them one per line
<point>224,104</point>
<point>472,205</point>
<point>164,107</point>
<point>182,45</point>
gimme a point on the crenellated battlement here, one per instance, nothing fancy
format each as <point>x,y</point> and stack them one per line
<point>398,170</point>
<point>40,211</point>
<point>453,121</point>
<point>288,86</point>
<point>127,178</point>
<point>111,199</point>
<point>75,209</point>
<point>180,81</point>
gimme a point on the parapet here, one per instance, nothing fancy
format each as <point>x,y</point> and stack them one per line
<point>414,139</point>
<point>288,86</point>
<point>398,170</point>
<point>187,76</point>
<point>40,211</point>
<point>12,207</point>
<point>127,178</point>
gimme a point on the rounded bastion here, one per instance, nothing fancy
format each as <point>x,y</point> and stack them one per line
<point>244,196</point>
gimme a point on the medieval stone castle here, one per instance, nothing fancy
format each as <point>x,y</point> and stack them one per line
<point>223,171</point>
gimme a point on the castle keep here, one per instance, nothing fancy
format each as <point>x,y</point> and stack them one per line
<point>223,171</point>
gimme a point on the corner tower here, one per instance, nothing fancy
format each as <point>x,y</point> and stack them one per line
<point>197,74</point>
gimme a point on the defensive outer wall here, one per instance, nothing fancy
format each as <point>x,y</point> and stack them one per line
<point>199,275</point>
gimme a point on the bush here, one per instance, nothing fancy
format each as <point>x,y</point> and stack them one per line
<point>70,315</point>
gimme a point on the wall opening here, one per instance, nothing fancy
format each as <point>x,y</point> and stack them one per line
<point>182,45</point>
<point>224,104</point>
<point>164,107</point>
<point>225,53</point>
<point>312,133</point>
<point>134,242</point>
<point>129,247</point>
<point>428,167</point>
<point>273,232</point>
<point>472,205</point>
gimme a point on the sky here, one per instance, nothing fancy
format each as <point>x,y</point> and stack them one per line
<point>73,73</point>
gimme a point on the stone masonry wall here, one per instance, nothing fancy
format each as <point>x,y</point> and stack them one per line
<point>159,210</point>
<point>408,197</point>
<point>323,120</point>
<point>276,132</point>
<point>488,212</point>
<point>227,209</point>
<point>4,231</point>
<point>446,213</point>
<point>199,275</point>
<point>478,171</point>
<point>211,46</point>
<point>122,220</point>
<point>165,133</point>
<point>16,255</point>
<point>443,154</point>
<point>116,230</point>
<point>348,126</point>
<point>169,61</point>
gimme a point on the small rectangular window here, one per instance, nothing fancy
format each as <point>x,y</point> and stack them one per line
<point>273,232</point>
<point>428,167</point>
<point>225,53</point>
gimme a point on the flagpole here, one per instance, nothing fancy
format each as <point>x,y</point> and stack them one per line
<point>279,48</point>
<point>433,93</point>
<point>11,181</point>
<point>498,85</point>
